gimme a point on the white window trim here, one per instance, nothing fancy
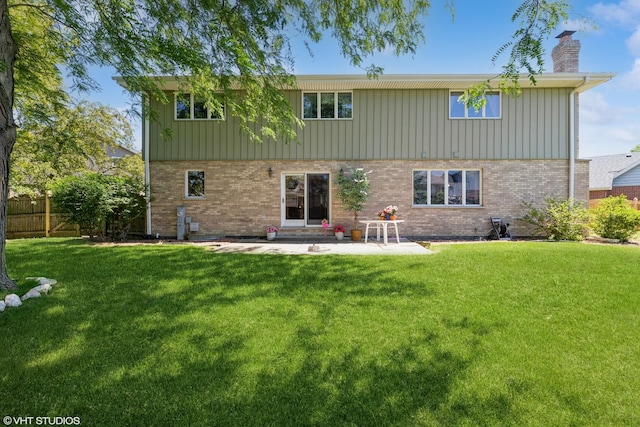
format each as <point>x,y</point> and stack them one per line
<point>335,104</point>
<point>446,199</point>
<point>466,110</point>
<point>186,185</point>
<point>192,109</point>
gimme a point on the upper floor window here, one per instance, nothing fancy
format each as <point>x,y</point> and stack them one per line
<point>456,187</point>
<point>190,107</point>
<point>491,110</point>
<point>327,105</point>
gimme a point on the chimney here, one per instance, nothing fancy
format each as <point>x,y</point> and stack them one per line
<point>566,54</point>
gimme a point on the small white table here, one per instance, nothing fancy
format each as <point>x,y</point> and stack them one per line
<point>384,224</point>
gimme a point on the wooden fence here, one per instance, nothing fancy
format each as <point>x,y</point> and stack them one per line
<point>37,218</point>
<point>40,218</point>
<point>593,203</point>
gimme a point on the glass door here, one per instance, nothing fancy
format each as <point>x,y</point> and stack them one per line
<point>317,198</point>
<point>305,199</point>
<point>293,203</point>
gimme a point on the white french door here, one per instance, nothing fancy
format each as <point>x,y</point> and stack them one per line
<point>305,199</point>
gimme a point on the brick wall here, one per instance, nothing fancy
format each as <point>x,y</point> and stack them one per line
<point>630,191</point>
<point>241,198</point>
<point>599,194</point>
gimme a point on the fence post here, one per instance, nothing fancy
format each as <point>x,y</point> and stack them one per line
<point>47,214</point>
<point>635,203</point>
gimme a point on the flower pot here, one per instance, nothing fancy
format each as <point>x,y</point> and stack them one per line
<point>392,217</point>
<point>356,235</point>
<point>387,217</point>
<point>339,235</point>
<point>271,236</point>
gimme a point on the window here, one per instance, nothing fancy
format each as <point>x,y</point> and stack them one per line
<point>190,107</point>
<point>327,105</point>
<point>491,110</point>
<point>194,184</point>
<point>455,187</point>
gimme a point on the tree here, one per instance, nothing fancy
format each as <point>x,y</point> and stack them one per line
<point>353,191</point>
<point>636,149</point>
<point>221,44</point>
<point>73,139</point>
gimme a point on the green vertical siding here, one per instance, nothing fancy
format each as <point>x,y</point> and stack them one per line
<point>386,124</point>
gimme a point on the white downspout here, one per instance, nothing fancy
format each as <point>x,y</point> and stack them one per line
<point>572,138</point>
<point>147,178</point>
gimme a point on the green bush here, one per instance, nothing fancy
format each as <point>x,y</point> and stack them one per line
<point>83,199</point>
<point>91,200</point>
<point>613,218</point>
<point>559,219</point>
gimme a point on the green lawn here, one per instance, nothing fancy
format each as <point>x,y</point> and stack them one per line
<point>501,333</point>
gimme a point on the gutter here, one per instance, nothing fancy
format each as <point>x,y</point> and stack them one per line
<point>145,151</point>
<point>572,138</point>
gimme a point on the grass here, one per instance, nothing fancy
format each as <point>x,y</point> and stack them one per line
<point>503,333</point>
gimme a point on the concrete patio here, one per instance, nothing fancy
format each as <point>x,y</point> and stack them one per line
<point>321,246</point>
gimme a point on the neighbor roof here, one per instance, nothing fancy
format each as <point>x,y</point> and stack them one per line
<point>604,169</point>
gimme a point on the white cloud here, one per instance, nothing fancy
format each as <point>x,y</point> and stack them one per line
<point>594,109</point>
<point>631,80</point>
<point>607,127</point>
<point>633,42</point>
<point>627,12</point>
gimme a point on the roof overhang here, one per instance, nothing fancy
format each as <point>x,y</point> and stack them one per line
<point>578,81</point>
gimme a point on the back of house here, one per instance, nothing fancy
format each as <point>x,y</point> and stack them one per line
<point>447,167</point>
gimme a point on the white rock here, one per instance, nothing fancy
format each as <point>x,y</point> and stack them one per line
<point>2,305</point>
<point>42,288</point>
<point>12,300</point>
<point>31,294</point>
<point>43,280</point>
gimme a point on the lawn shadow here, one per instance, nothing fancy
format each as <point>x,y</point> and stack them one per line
<point>178,335</point>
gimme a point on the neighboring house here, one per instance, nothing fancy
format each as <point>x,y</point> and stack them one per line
<point>120,151</point>
<point>447,168</point>
<point>114,154</point>
<point>615,175</point>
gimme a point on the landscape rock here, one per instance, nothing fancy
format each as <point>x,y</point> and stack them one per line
<point>43,280</point>
<point>31,294</point>
<point>42,288</point>
<point>12,300</point>
<point>2,305</point>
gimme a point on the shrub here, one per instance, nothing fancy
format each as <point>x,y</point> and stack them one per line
<point>82,198</point>
<point>613,218</point>
<point>559,219</point>
<point>91,200</point>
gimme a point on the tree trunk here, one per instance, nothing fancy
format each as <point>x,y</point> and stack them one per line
<point>7,131</point>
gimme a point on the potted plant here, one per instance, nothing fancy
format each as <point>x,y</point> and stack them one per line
<point>353,191</point>
<point>338,231</point>
<point>271,232</point>
<point>390,212</point>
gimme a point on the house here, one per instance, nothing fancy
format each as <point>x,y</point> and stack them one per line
<point>448,168</point>
<point>614,175</point>
<point>120,151</point>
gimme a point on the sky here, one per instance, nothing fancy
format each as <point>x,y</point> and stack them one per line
<point>465,44</point>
